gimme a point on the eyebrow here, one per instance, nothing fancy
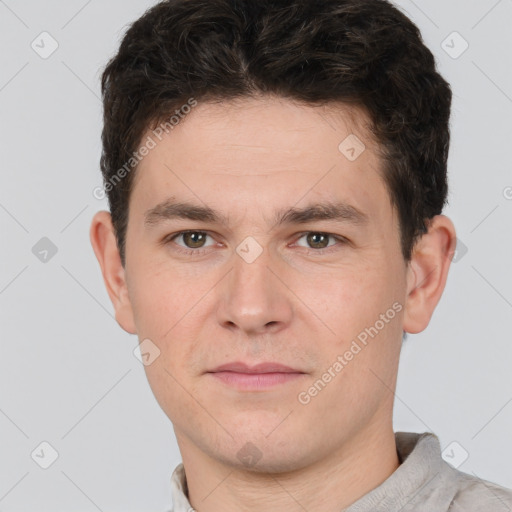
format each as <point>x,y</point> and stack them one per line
<point>335,211</point>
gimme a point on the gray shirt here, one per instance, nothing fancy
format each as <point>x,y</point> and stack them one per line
<point>423,482</point>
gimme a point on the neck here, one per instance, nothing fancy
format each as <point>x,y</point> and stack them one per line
<point>328,485</point>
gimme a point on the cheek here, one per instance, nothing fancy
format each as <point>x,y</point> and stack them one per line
<point>169,311</point>
<point>159,299</point>
<point>344,298</point>
<point>359,314</point>
<point>150,302</point>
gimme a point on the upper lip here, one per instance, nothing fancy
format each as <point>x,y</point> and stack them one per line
<point>268,367</point>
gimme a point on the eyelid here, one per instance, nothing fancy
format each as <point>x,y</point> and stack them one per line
<point>200,250</point>
<point>339,238</point>
<point>173,236</point>
<point>326,233</point>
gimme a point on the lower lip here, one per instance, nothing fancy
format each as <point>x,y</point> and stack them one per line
<point>255,381</point>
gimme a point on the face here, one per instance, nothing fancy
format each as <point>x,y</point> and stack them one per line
<point>265,275</point>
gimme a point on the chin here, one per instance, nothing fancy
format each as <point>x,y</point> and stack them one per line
<point>264,452</point>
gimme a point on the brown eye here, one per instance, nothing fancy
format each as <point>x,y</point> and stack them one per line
<point>318,240</point>
<point>194,239</point>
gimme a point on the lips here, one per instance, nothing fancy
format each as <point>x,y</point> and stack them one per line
<point>267,367</point>
<point>263,377</point>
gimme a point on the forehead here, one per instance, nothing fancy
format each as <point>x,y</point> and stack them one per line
<point>270,129</point>
<point>288,152</point>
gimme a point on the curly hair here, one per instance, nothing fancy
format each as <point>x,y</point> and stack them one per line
<point>365,53</point>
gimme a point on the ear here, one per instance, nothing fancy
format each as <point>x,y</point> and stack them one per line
<point>427,273</point>
<point>104,243</point>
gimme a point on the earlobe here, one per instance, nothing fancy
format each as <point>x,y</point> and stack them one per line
<point>427,273</point>
<point>104,244</point>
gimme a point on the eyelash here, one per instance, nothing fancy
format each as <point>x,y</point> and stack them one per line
<point>200,251</point>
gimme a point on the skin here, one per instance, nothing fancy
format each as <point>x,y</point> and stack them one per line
<point>248,159</point>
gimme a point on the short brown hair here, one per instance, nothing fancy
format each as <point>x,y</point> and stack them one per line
<point>363,52</point>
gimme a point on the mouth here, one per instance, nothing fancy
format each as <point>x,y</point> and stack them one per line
<point>267,367</point>
<point>253,378</point>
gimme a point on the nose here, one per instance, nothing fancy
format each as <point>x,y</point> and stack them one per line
<point>254,296</point>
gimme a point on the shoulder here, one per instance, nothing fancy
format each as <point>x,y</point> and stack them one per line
<point>474,494</point>
<point>440,485</point>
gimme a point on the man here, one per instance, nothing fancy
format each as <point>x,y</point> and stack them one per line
<point>276,173</point>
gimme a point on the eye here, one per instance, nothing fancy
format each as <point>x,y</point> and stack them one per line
<point>193,241</point>
<point>320,241</point>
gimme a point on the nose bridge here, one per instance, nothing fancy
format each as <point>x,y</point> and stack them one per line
<point>253,297</point>
<point>251,263</point>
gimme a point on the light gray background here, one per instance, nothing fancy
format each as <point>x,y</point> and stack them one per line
<point>68,375</point>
